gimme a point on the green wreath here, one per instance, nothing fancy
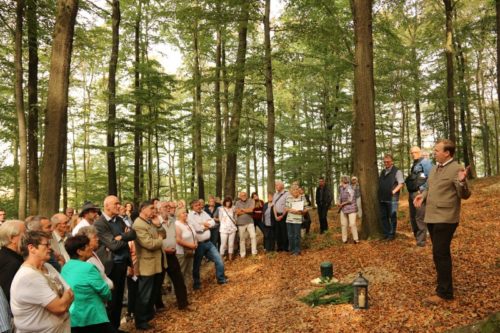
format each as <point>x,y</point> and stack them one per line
<point>333,293</point>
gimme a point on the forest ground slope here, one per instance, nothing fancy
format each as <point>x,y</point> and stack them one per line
<point>263,292</point>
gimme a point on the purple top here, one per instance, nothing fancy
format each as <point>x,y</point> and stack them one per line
<point>347,195</point>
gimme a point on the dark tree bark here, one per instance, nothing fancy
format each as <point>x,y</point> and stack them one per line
<point>33,180</point>
<point>450,90</point>
<point>498,82</point>
<point>239,74</point>
<point>197,116</point>
<point>57,107</point>
<point>365,154</point>
<point>271,169</point>
<point>138,159</point>
<point>21,118</point>
<point>498,49</point>
<point>465,112</point>
<point>111,125</point>
<point>218,116</point>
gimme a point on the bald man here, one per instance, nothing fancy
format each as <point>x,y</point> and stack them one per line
<point>114,253</point>
<point>59,227</point>
<point>416,183</point>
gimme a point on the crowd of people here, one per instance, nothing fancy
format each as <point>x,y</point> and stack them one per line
<point>71,272</point>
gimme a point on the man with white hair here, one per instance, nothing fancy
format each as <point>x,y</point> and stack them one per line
<point>42,223</point>
<point>416,183</point>
<point>10,261</point>
<point>244,209</point>
<point>10,252</point>
<point>279,216</point>
<point>59,227</point>
<point>201,222</point>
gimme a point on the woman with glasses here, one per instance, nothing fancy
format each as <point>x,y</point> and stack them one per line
<point>88,313</point>
<point>40,298</point>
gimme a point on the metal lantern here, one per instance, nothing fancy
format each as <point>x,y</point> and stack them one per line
<point>360,286</point>
<point>326,270</point>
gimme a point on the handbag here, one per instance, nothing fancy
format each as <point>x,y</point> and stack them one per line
<point>189,252</point>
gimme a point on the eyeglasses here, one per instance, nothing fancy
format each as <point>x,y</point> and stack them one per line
<point>44,244</point>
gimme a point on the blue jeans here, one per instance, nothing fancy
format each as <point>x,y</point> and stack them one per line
<point>389,217</point>
<point>207,249</point>
<point>293,230</point>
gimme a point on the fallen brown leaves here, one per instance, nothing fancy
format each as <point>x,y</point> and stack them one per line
<point>263,292</point>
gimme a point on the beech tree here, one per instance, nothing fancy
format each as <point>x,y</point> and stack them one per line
<point>57,107</point>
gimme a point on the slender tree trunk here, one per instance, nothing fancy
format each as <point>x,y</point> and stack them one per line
<point>111,125</point>
<point>74,163</point>
<point>327,116</point>
<point>498,56</point>
<point>197,115</point>
<point>150,158</point>
<point>157,155</point>
<point>365,163</point>
<point>450,91</point>
<point>239,74</point>
<point>218,117</point>
<point>15,148</point>
<point>483,119</point>
<point>57,107</point>
<point>225,106</point>
<point>271,168</point>
<point>33,181</point>
<point>255,166</point>
<point>465,112</point>
<point>138,115</point>
<point>21,118</point>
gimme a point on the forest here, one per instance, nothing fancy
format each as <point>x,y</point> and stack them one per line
<point>264,90</point>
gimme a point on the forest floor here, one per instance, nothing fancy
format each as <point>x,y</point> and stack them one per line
<point>263,292</point>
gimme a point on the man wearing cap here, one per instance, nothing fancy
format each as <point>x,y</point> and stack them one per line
<point>87,216</point>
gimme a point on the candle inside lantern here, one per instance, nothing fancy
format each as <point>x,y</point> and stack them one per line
<point>362,299</point>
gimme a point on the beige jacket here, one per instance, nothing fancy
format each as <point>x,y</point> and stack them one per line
<point>148,248</point>
<point>444,194</point>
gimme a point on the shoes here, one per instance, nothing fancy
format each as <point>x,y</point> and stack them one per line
<point>356,242</point>
<point>435,300</point>
<point>223,282</point>
<point>144,326</point>
<point>345,242</point>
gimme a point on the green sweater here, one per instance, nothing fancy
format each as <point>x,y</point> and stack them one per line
<point>90,290</point>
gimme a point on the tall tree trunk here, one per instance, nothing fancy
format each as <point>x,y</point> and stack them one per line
<point>218,114</point>
<point>138,115</point>
<point>465,112</point>
<point>225,106</point>
<point>57,107</point>
<point>197,115</point>
<point>271,168</point>
<point>255,166</point>
<point>234,128</point>
<point>365,162</point>
<point>327,116</point>
<point>450,91</point>
<point>21,118</point>
<point>33,181</point>
<point>498,53</point>
<point>111,125</point>
<point>483,119</point>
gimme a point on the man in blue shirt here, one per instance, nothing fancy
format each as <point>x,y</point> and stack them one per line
<point>416,183</point>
